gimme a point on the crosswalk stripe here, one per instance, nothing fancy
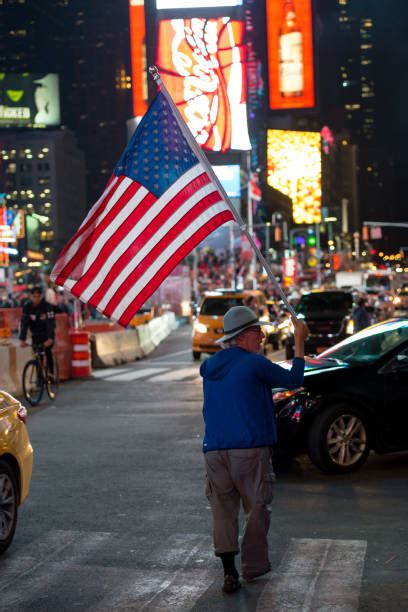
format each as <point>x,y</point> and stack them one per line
<point>14,565</point>
<point>167,584</point>
<point>175,375</point>
<point>103,373</point>
<point>74,548</point>
<point>135,374</point>
<point>155,574</point>
<point>316,574</point>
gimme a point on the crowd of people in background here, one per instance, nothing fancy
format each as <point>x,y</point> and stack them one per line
<point>60,300</point>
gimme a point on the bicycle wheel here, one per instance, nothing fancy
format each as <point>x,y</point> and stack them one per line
<point>52,381</point>
<point>33,382</point>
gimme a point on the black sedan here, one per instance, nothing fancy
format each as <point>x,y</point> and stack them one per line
<point>354,399</point>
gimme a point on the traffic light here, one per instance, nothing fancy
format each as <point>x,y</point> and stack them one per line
<point>365,233</point>
<point>278,233</point>
<point>311,238</point>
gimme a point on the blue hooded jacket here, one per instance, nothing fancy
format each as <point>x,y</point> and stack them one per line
<point>238,407</point>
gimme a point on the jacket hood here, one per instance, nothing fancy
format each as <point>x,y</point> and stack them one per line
<point>220,364</point>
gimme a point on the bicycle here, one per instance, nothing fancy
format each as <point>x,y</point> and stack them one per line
<point>36,376</point>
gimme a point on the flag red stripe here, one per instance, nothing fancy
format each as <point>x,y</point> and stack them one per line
<point>172,262</point>
<point>88,222</point>
<point>160,246</point>
<point>75,265</point>
<point>113,242</point>
<point>146,234</point>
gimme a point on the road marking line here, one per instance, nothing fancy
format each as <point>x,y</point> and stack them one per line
<point>108,371</point>
<point>44,574</point>
<point>316,574</point>
<point>175,375</point>
<point>135,374</point>
<point>168,355</point>
<point>167,584</point>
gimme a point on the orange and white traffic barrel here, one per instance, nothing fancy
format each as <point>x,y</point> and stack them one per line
<point>81,353</point>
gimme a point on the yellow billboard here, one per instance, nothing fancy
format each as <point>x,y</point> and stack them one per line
<point>294,168</point>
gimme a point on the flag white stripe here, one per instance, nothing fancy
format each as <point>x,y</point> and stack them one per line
<point>122,215</point>
<point>117,194</point>
<point>138,229</point>
<point>61,263</point>
<point>196,224</point>
<point>98,202</point>
<point>160,233</point>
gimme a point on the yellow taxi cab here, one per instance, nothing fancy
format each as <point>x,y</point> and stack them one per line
<point>16,462</point>
<point>208,326</point>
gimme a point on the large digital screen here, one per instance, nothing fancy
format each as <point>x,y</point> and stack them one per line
<point>180,4</point>
<point>290,54</point>
<point>29,100</point>
<point>294,168</point>
<point>32,233</point>
<point>202,64</point>
<point>229,177</point>
<point>138,55</point>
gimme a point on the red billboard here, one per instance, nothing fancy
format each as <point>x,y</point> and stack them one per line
<point>138,53</point>
<point>202,62</point>
<point>290,54</point>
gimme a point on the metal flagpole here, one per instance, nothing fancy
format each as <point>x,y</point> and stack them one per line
<point>202,158</point>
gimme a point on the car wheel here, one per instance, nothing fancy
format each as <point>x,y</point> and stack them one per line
<point>196,355</point>
<point>338,440</point>
<point>8,505</point>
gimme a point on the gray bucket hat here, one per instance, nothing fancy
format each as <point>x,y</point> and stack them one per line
<point>237,319</point>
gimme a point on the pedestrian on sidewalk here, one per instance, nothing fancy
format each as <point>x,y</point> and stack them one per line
<point>361,316</point>
<point>240,430</point>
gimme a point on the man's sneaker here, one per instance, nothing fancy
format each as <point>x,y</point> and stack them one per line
<point>231,584</point>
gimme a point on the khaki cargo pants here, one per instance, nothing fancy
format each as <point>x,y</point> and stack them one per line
<point>233,476</point>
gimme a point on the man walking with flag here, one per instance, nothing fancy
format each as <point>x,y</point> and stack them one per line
<point>162,200</point>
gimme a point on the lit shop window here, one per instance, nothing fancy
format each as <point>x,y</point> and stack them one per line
<point>202,63</point>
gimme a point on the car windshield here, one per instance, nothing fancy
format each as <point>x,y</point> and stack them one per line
<point>369,344</point>
<point>316,303</point>
<point>218,306</point>
<point>378,281</point>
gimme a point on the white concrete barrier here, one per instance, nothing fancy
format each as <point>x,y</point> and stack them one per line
<point>114,348</point>
<point>13,359</point>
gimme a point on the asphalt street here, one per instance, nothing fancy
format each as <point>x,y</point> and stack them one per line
<point>117,518</point>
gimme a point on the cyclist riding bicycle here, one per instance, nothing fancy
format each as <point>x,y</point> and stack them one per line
<point>38,317</point>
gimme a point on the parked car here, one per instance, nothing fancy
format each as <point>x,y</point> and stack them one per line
<point>208,325</point>
<point>328,315</point>
<point>354,399</point>
<point>16,460</point>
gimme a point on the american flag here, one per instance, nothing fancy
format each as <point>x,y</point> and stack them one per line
<point>158,205</point>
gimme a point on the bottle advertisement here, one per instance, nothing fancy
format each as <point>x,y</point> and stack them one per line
<point>290,54</point>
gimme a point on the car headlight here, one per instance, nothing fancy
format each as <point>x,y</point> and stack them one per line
<point>200,327</point>
<point>350,327</point>
<point>397,300</point>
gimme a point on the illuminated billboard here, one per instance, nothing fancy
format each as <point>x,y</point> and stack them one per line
<point>229,177</point>
<point>179,4</point>
<point>202,64</point>
<point>290,54</point>
<point>138,56</point>
<point>32,233</point>
<point>294,168</point>
<point>29,100</point>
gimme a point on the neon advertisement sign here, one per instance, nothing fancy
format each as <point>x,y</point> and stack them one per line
<point>203,65</point>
